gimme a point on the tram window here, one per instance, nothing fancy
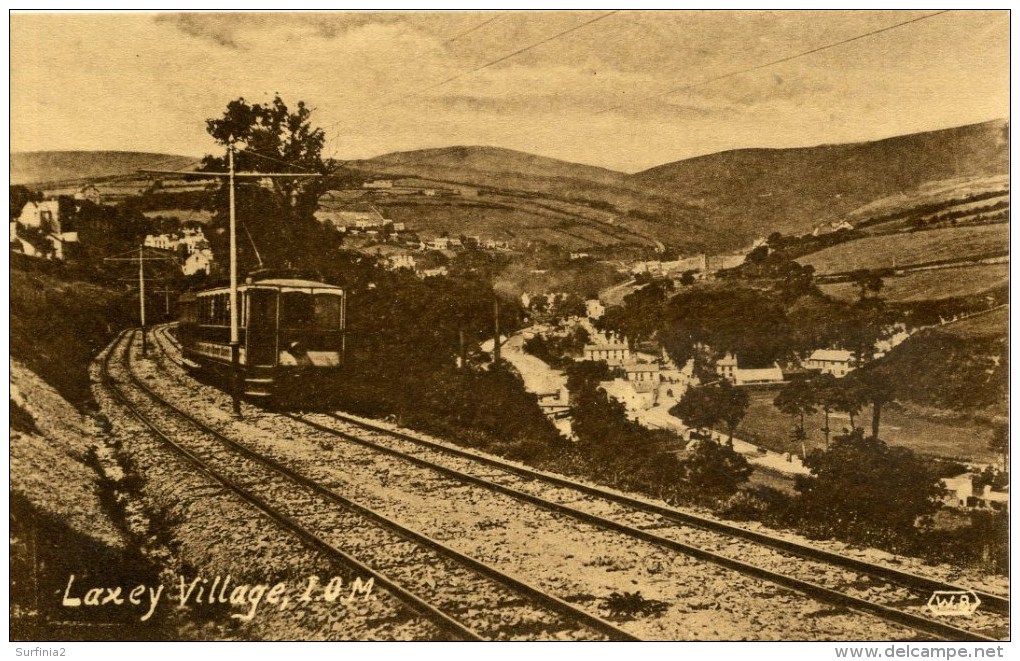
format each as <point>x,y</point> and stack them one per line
<point>296,310</point>
<point>327,312</point>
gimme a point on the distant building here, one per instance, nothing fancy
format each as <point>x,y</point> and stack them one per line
<point>614,352</point>
<point>90,193</point>
<point>378,184</point>
<point>45,217</point>
<point>837,362</point>
<point>594,309</point>
<point>160,241</point>
<point>199,261</point>
<point>642,372</point>
<point>726,367</point>
<point>401,262</point>
<point>754,377</point>
<point>633,395</point>
<point>432,273</point>
<point>959,490</point>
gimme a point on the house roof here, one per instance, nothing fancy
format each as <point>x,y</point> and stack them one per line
<point>641,367</point>
<point>832,355</point>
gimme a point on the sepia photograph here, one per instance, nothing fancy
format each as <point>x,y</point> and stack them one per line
<point>510,325</point>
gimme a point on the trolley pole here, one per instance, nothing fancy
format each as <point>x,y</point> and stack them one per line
<point>141,299</point>
<point>235,335</point>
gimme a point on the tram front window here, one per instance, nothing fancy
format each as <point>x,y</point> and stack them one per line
<point>309,322</point>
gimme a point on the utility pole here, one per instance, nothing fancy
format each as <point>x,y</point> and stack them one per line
<point>235,334</point>
<point>141,299</point>
<point>141,259</point>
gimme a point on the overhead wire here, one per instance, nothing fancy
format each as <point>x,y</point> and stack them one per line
<point>477,27</point>
<point>737,72</point>
<point>486,65</point>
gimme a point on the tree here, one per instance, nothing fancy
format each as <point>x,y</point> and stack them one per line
<point>874,387</point>
<point>862,485</point>
<point>867,282</point>
<point>796,399</point>
<point>20,196</point>
<point>275,216</point>
<point>999,442</point>
<point>732,404</point>
<point>825,394</point>
<point>697,408</point>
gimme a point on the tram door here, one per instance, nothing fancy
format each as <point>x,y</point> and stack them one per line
<point>261,331</point>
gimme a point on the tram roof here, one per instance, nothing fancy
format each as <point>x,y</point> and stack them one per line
<point>276,283</point>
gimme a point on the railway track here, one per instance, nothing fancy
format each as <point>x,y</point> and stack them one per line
<point>841,581</point>
<point>469,599</point>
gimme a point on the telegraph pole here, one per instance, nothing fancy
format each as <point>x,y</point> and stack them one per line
<point>141,259</point>
<point>141,299</point>
<point>235,332</point>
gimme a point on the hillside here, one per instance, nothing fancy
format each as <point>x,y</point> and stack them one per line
<point>724,201</point>
<point>50,166</point>
<point>509,170</point>
<point>753,192</point>
<point>912,248</point>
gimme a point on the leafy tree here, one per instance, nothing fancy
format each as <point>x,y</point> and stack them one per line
<point>275,215</point>
<point>861,485</point>
<point>825,394</point>
<point>697,408</point>
<point>999,442</point>
<point>752,325</point>
<point>868,282</point>
<point>874,387</point>
<point>796,399</point>
<point>20,196</point>
<point>732,404</point>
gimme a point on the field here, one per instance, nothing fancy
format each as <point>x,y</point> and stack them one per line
<point>993,324</point>
<point>765,426</point>
<point>932,193</point>
<point>875,252</point>
<point>932,284</point>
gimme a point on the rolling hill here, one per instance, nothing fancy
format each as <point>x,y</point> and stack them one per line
<point>38,167</point>
<point>717,202</point>
<point>752,192</point>
<point>726,200</point>
<point>509,170</point>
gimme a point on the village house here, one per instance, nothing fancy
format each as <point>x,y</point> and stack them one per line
<point>45,217</point>
<point>959,490</point>
<point>614,352</point>
<point>402,261</point>
<point>837,362</point>
<point>432,273</point>
<point>89,193</point>
<point>198,262</point>
<point>759,376</point>
<point>642,372</point>
<point>594,309</point>
<point>633,395</point>
<point>726,367</point>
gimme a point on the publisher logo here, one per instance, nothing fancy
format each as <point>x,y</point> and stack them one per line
<point>953,602</point>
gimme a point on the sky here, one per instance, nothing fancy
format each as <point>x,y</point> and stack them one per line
<point>625,90</point>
